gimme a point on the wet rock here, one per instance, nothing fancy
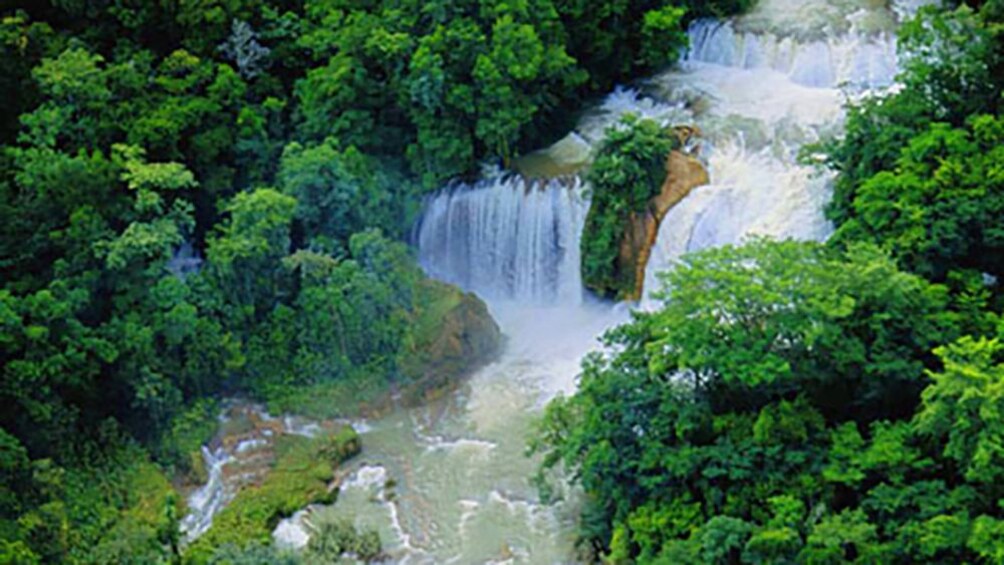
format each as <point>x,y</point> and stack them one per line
<point>568,156</point>
<point>684,173</point>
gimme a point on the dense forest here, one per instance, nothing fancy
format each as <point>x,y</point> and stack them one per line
<point>211,199</point>
<point>824,403</point>
<point>207,199</point>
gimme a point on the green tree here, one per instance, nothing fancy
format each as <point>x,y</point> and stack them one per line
<point>937,210</point>
<point>628,171</point>
<point>711,424</point>
<point>341,192</point>
<point>245,255</point>
<point>963,409</point>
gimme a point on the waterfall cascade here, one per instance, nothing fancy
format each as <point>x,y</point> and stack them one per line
<point>762,96</point>
<point>507,238</point>
<point>759,88</point>
<point>853,59</point>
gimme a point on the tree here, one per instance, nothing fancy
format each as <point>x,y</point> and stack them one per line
<point>937,210</point>
<point>340,192</point>
<point>948,60</point>
<point>710,425</point>
<point>243,49</point>
<point>963,409</point>
<point>628,171</point>
<point>769,312</point>
<point>245,254</point>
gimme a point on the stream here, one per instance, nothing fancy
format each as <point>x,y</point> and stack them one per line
<point>448,482</point>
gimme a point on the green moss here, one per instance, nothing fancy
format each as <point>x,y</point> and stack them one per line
<point>434,301</point>
<point>454,334</point>
<point>303,470</point>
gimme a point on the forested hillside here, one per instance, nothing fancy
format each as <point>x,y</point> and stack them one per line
<point>206,199</point>
<point>825,403</point>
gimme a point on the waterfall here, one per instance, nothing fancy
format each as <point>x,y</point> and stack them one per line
<point>759,87</point>
<point>507,238</point>
<point>851,59</point>
<point>210,498</point>
<point>767,93</point>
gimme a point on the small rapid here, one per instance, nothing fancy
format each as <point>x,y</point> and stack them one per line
<point>240,455</point>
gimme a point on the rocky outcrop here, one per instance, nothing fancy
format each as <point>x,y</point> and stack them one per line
<point>454,335</point>
<point>683,174</point>
<point>640,173</point>
<point>568,156</point>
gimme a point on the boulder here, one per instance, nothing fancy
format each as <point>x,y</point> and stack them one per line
<point>455,335</point>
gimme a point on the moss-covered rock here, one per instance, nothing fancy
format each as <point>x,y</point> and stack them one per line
<point>302,474</point>
<point>454,334</point>
<point>450,334</point>
<point>683,174</point>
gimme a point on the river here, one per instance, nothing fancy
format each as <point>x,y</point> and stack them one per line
<point>448,482</point>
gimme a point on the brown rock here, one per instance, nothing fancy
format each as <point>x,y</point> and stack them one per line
<point>463,337</point>
<point>683,174</point>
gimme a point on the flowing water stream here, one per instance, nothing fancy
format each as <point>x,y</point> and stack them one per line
<point>448,482</point>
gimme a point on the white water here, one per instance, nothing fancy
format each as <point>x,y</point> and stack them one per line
<point>759,88</point>
<point>762,97</point>
<point>507,239</point>
<point>240,455</point>
<point>210,498</point>
<point>461,492</point>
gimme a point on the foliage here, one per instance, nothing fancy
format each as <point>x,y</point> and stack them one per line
<point>191,195</point>
<point>937,209</point>
<point>339,193</point>
<point>801,403</point>
<point>331,540</point>
<point>300,476</point>
<point>775,409</point>
<point>253,554</point>
<point>927,150</point>
<point>115,506</point>
<point>628,171</point>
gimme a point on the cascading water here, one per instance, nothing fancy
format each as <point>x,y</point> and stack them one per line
<point>507,238</point>
<point>240,455</point>
<point>207,500</point>
<point>764,94</point>
<point>447,482</point>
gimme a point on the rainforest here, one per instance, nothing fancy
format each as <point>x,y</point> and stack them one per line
<point>501,281</point>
